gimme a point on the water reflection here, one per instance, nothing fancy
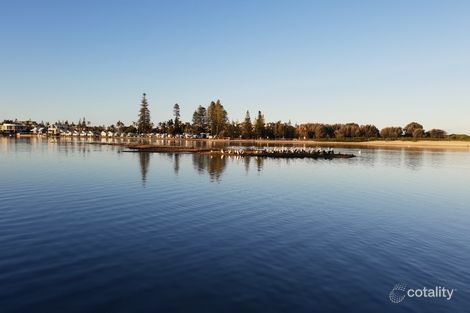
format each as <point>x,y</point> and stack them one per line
<point>144,161</point>
<point>259,163</point>
<point>413,159</point>
<point>438,158</point>
<point>246,161</point>
<point>367,157</point>
<point>176,163</point>
<point>214,166</point>
<point>45,145</point>
<point>407,158</point>
<point>391,158</point>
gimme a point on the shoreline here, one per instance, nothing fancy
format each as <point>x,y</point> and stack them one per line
<point>443,144</point>
<point>419,144</point>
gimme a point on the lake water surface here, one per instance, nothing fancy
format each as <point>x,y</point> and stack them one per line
<point>90,228</point>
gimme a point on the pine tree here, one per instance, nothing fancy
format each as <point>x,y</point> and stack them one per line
<point>120,125</point>
<point>144,124</point>
<point>259,125</point>
<point>247,128</point>
<point>200,120</point>
<point>176,113</point>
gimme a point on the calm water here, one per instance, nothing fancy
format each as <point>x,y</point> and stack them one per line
<point>86,228</point>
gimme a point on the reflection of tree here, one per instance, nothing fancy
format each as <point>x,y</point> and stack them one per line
<point>199,162</point>
<point>213,165</point>
<point>414,159</point>
<point>216,167</point>
<point>247,164</point>
<point>144,158</point>
<point>259,163</point>
<point>437,158</point>
<point>176,163</point>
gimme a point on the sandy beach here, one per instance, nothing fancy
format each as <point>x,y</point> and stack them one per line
<point>444,144</point>
<point>398,144</point>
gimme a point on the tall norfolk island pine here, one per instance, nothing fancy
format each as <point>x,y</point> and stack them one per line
<point>247,127</point>
<point>144,125</point>
<point>177,123</point>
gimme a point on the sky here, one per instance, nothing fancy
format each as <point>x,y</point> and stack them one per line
<point>371,62</point>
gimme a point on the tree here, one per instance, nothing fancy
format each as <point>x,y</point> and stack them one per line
<point>291,130</point>
<point>437,133</point>
<point>411,128</point>
<point>369,131</point>
<point>162,127</point>
<point>259,125</point>
<point>200,120</point>
<point>317,130</point>
<point>419,133</point>
<point>176,111</point>
<point>120,125</point>
<point>170,127</point>
<point>391,132</point>
<point>217,118</point>
<point>177,123</point>
<point>186,127</point>
<point>233,130</point>
<point>349,130</point>
<point>144,125</point>
<point>279,130</point>
<point>247,127</point>
<point>269,130</point>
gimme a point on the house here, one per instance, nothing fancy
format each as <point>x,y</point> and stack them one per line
<point>53,130</point>
<point>13,128</point>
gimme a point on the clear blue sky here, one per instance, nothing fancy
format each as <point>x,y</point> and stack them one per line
<point>381,62</point>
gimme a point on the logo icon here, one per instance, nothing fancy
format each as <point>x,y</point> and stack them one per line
<point>398,293</point>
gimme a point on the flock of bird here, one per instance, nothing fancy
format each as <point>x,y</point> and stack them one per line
<point>279,150</point>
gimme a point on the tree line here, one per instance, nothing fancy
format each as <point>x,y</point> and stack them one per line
<point>213,120</point>
<point>354,131</point>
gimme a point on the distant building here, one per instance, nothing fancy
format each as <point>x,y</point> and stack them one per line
<point>13,128</point>
<point>53,130</point>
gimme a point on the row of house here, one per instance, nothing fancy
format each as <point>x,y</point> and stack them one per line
<point>13,128</point>
<point>32,128</point>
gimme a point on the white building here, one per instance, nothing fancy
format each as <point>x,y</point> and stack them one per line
<point>13,128</point>
<point>53,130</point>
